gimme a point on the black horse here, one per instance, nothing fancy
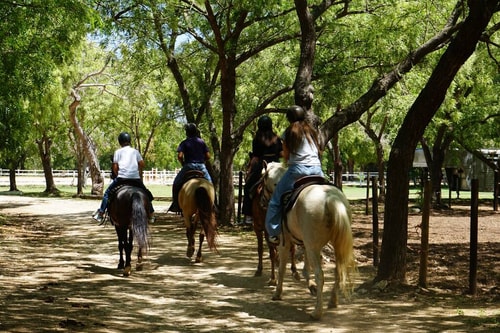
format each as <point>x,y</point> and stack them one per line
<point>128,212</point>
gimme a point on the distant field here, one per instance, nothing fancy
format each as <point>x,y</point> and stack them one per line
<point>165,191</point>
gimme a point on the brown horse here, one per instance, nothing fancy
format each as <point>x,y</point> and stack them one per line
<point>197,201</point>
<point>128,212</point>
<point>260,200</point>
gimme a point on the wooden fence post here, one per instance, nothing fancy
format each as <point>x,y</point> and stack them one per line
<point>375,220</point>
<point>424,240</point>
<point>474,202</point>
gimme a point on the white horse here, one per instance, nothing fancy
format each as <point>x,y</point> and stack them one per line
<point>321,214</point>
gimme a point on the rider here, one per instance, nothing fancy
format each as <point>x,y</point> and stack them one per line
<point>302,154</point>
<point>266,146</point>
<point>192,153</point>
<point>127,165</point>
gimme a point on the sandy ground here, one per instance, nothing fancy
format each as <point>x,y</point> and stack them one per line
<point>58,273</point>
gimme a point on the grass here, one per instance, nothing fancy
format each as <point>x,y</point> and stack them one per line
<point>164,192</point>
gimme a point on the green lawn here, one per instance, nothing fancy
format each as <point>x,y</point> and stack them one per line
<point>165,192</point>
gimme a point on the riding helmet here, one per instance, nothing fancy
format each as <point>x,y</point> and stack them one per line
<point>124,138</point>
<point>191,130</point>
<point>265,123</point>
<point>295,113</point>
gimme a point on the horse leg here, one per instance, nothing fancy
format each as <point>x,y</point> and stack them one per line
<point>273,256</point>
<point>332,303</point>
<point>128,253</point>
<point>306,273</point>
<point>260,251</point>
<point>200,243</point>
<point>295,274</point>
<point>121,245</point>
<point>283,252</point>
<point>314,258</point>
<point>190,237</point>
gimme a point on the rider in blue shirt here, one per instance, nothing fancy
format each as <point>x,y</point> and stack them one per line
<point>192,153</point>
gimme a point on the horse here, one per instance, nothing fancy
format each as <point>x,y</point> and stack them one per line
<point>197,201</point>
<point>260,200</point>
<point>128,212</point>
<point>320,214</point>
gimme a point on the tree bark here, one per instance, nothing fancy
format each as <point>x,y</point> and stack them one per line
<point>44,149</point>
<point>89,150</point>
<point>12,180</point>
<point>392,265</point>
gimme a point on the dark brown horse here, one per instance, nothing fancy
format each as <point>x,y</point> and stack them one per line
<point>197,201</point>
<point>128,212</point>
<point>260,200</point>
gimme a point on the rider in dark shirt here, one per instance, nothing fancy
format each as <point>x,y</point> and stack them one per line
<point>192,153</point>
<point>266,146</point>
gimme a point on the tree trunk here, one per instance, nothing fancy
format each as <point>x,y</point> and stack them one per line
<point>392,265</point>
<point>88,148</point>
<point>12,180</point>
<point>44,149</point>
<point>337,162</point>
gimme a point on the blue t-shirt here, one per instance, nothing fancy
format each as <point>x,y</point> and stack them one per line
<point>194,150</point>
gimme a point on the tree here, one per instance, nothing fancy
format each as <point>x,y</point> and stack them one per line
<point>35,38</point>
<point>392,265</point>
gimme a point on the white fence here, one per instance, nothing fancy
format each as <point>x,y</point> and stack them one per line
<point>69,177</point>
<point>154,176</point>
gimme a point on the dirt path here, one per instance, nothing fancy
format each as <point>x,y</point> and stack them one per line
<point>58,273</point>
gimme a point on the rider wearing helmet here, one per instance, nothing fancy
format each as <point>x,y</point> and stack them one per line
<point>127,165</point>
<point>302,154</point>
<point>266,146</point>
<point>192,153</point>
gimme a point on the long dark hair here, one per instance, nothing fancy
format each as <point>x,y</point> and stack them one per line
<point>296,132</point>
<point>267,137</point>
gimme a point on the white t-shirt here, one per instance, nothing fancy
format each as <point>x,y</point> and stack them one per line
<point>306,154</point>
<point>128,159</point>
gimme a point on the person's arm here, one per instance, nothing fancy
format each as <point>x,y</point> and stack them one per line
<point>180,157</point>
<point>115,168</point>
<point>141,164</point>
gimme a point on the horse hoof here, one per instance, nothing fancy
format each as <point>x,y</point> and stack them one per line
<point>126,271</point>
<point>316,315</point>
<point>190,252</point>
<point>276,297</point>
<point>138,267</point>
<point>198,260</point>
<point>121,266</point>
<point>271,282</point>
<point>296,276</point>
<point>313,290</point>
<point>258,273</point>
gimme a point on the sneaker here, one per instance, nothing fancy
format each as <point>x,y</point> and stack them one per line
<point>274,240</point>
<point>248,220</point>
<point>98,216</point>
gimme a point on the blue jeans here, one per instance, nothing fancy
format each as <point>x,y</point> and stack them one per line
<point>105,196</point>
<point>294,172</point>
<point>191,166</point>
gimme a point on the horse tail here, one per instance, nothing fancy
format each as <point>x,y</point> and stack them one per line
<point>206,212</point>
<point>139,222</point>
<point>342,241</point>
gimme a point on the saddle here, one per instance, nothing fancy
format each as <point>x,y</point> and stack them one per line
<point>128,182</point>
<point>190,174</point>
<point>289,198</point>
